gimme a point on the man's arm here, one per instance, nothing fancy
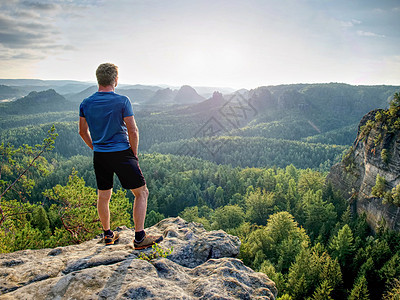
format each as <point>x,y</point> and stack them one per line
<point>133,133</point>
<point>84,132</point>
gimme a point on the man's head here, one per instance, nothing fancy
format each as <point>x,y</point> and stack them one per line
<point>107,74</point>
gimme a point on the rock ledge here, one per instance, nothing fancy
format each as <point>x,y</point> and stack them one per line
<point>201,267</point>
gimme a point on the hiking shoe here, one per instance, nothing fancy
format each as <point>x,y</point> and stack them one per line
<point>110,240</point>
<point>148,241</point>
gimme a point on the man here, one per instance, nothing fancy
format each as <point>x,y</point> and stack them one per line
<point>107,126</point>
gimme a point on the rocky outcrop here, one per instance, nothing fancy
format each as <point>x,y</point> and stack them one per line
<point>201,266</point>
<point>187,94</point>
<point>163,96</point>
<point>375,151</point>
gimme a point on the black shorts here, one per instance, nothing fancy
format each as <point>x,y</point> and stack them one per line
<point>124,163</point>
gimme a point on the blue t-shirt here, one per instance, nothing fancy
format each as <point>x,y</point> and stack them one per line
<point>105,112</point>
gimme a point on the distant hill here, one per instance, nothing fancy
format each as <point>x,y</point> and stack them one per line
<point>37,102</point>
<point>163,96</point>
<point>294,111</point>
<point>39,82</point>
<point>207,106</point>
<point>136,95</point>
<point>153,88</point>
<point>79,96</point>
<point>187,94</point>
<point>71,88</point>
<point>311,113</point>
<point>63,87</point>
<point>9,93</point>
<point>207,91</point>
<point>305,113</point>
<point>22,82</point>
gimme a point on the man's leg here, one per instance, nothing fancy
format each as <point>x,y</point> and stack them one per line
<point>103,208</point>
<point>142,240</point>
<point>140,207</point>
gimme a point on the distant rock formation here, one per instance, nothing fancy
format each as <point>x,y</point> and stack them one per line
<point>375,151</point>
<point>187,94</point>
<point>209,106</point>
<point>201,267</point>
<point>261,98</point>
<point>136,95</point>
<point>162,96</point>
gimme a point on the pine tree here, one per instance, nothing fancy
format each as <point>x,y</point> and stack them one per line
<point>227,217</point>
<point>360,290</point>
<point>219,197</point>
<point>394,292</point>
<point>79,214</point>
<point>259,205</point>
<point>342,246</point>
<point>394,106</point>
<point>285,297</point>
<point>152,218</point>
<point>380,185</point>
<point>322,292</point>
<point>40,219</point>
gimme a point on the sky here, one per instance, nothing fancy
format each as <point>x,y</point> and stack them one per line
<point>238,44</point>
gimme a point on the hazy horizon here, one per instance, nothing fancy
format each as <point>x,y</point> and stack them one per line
<point>123,85</point>
<point>233,44</point>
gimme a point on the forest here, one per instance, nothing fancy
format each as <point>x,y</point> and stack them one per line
<point>262,179</point>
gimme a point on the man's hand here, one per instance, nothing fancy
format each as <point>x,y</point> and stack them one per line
<point>84,132</point>
<point>133,134</point>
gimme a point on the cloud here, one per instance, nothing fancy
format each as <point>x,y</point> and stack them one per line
<point>15,33</point>
<point>29,25</point>
<point>39,5</point>
<point>26,54</point>
<point>369,34</point>
<point>350,23</point>
<point>21,39</point>
<point>379,10</point>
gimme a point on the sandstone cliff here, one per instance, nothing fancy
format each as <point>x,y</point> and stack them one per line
<point>375,151</point>
<point>201,267</point>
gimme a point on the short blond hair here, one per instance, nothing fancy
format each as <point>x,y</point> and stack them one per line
<point>106,74</point>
